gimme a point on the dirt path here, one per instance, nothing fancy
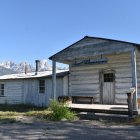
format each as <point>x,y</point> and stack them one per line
<point>76,130</point>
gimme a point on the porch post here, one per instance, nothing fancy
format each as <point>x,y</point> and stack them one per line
<point>134,78</point>
<point>54,79</point>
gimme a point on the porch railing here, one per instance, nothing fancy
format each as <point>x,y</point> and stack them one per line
<point>130,101</point>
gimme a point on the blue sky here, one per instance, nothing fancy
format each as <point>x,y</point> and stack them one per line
<point>36,29</point>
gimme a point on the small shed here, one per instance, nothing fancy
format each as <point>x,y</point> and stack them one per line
<point>105,69</point>
<point>32,88</point>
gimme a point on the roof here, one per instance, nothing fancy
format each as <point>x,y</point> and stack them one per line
<point>135,44</point>
<point>59,73</point>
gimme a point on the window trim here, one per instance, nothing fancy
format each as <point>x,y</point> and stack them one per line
<point>2,90</point>
<point>42,86</point>
<point>109,77</point>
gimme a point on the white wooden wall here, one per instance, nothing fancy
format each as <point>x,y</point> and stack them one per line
<point>13,92</point>
<point>32,95</point>
<point>84,80</point>
<point>26,91</point>
<point>138,73</point>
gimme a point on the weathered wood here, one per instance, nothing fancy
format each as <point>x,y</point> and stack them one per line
<point>75,98</point>
<point>82,77</point>
<point>84,92</point>
<point>124,80</point>
<point>103,66</point>
<point>121,90</point>
<point>98,108</point>
<point>108,93</point>
<point>123,85</point>
<point>90,50</point>
<point>134,78</point>
<point>54,80</point>
<point>13,92</point>
<point>130,104</point>
<point>26,91</point>
<point>123,75</point>
<point>65,86</point>
<point>121,95</point>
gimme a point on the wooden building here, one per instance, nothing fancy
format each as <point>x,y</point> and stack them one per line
<point>102,68</point>
<point>32,88</point>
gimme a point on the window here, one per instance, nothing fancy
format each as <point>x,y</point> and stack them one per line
<point>41,86</point>
<point>109,77</point>
<point>1,89</point>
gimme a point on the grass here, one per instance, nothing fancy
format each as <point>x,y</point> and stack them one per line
<point>136,120</point>
<point>43,115</point>
<point>20,108</point>
<point>10,113</point>
<point>56,111</point>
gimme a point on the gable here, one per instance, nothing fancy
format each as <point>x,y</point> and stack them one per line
<point>89,47</point>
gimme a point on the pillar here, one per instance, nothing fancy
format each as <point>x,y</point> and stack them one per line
<point>54,79</point>
<point>134,79</point>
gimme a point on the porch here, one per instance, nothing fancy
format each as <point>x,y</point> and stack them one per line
<point>105,69</point>
<point>100,108</point>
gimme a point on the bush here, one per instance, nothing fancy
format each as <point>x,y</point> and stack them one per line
<point>60,111</point>
<point>136,120</point>
<point>64,99</point>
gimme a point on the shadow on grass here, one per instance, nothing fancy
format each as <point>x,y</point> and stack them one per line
<point>20,108</point>
<point>8,120</point>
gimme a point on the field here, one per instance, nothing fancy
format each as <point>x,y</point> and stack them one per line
<point>27,122</point>
<point>15,113</point>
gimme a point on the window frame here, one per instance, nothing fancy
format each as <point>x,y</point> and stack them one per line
<point>2,89</point>
<point>41,86</point>
<point>109,77</point>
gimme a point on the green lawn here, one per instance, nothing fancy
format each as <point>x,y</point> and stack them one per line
<point>10,113</point>
<point>57,111</point>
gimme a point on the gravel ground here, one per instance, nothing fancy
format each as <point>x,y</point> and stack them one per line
<point>75,130</point>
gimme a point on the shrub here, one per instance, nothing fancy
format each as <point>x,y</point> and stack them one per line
<point>60,111</point>
<point>136,120</point>
<point>64,99</point>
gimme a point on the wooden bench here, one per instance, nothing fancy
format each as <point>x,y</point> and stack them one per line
<point>75,98</point>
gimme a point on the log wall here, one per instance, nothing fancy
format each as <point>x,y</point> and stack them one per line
<point>84,80</point>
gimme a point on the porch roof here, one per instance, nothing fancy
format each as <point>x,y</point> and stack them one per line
<point>92,46</point>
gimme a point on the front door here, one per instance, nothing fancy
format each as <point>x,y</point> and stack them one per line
<point>108,88</point>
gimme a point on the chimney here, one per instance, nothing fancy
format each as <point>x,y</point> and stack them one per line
<point>37,66</point>
<point>25,68</point>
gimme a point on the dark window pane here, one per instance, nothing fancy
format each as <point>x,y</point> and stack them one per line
<point>41,86</point>
<point>109,77</point>
<point>1,89</point>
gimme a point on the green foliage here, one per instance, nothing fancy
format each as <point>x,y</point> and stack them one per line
<point>136,120</point>
<point>60,111</point>
<point>57,111</point>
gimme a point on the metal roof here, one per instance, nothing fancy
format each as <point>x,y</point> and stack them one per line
<point>59,73</point>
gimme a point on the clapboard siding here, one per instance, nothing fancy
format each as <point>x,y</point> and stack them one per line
<point>138,73</point>
<point>32,95</point>
<point>26,91</point>
<point>65,86</point>
<point>13,92</point>
<point>89,49</point>
<point>84,80</point>
<point>123,80</point>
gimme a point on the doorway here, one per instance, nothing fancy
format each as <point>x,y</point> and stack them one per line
<point>108,85</point>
